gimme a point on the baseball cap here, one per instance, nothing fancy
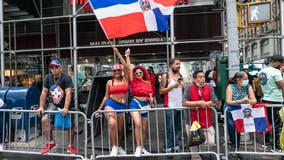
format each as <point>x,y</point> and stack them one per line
<point>54,63</point>
<point>117,66</point>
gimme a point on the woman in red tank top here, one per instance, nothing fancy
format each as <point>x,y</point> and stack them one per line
<point>140,88</point>
<point>115,99</point>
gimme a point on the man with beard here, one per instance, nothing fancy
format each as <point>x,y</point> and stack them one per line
<point>272,85</point>
<point>171,86</point>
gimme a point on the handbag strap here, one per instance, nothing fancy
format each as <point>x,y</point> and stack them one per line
<point>137,102</point>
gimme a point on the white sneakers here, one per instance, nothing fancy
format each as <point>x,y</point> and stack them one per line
<point>117,150</point>
<point>141,150</point>
<point>3,146</point>
<point>121,151</point>
<point>137,152</point>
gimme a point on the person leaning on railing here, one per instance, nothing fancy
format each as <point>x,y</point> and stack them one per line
<point>115,99</point>
<point>199,96</point>
<point>238,92</point>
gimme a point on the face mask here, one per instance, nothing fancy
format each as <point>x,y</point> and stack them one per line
<point>245,83</point>
<point>199,85</point>
<point>278,67</point>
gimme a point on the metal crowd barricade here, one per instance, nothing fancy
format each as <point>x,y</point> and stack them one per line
<point>155,138</point>
<point>22,132</point>
<point>255,144</point>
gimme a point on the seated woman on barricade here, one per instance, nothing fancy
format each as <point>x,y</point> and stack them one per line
<point>141,90</point>
<point>238,92</point>
<point>115,99</point>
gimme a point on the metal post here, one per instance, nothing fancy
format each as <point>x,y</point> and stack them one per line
<point>75,53</point>
<point>168,55</point>
<point>282,26</point>
<point>10,55</point>
<point>233,39</point>
<point>41,41</point>
<point>2,44</point>
<point>172,36</point>
<point>15,54</point>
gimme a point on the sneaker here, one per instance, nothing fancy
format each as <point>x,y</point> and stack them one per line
<point>114,151</point>
<point>71,149</point>
<point>121,151</point>
<point>137,152</point>
<point>169,150</point>
<point>48,147</point>
<point>177,149</point>
<point>3,146</point>
<point>144,151</point>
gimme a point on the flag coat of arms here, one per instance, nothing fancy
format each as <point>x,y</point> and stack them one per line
<point>249,118</point>
<point>120,18</point>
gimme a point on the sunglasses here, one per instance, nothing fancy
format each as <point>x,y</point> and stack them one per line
<point>117,70</point>
<point>54,67</point>
<point>137,73</point>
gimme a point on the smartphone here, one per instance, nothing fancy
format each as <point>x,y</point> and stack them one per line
<point>180,79</point>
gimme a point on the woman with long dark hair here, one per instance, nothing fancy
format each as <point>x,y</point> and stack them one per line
<point>115,99</point>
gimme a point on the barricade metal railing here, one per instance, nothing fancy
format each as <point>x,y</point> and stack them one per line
<point>22,132</point>
<point>256,144</point>
<point>155,143</point>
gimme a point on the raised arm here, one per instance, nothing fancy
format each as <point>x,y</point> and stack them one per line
<point>126,67</point>
<point>127,55</point>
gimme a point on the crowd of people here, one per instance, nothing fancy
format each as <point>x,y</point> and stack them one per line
<point>267,86</point>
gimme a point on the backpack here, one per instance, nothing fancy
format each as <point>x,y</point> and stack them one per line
<point>257,86</point>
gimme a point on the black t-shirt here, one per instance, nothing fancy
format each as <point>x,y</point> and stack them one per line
<point>56,87</point>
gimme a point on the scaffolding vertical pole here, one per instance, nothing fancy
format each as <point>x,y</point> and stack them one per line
<point>233,40</point>
<point>75,52</point>
<point>172,21</point>
<point>15,48</point>
<point>2,44</point>
<point>41,41</point>
<point>10,55</point>
<point>168,55</point>
<point>282,26</point>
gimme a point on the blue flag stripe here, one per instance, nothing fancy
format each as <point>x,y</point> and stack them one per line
<point>161,22</point>
<point>106,3</point>
<point>260,124</point>
<point>234,107</point>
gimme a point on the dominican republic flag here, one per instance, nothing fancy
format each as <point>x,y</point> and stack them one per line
<point>120,18</point>
<point>249,118</point>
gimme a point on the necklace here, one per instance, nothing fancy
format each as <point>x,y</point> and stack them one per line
<point>55,82</point>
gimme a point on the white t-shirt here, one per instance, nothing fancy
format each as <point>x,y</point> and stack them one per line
<point>268,78</point>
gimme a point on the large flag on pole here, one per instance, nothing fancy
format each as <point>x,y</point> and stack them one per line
<point>249,118</point>
<point>120,18</point>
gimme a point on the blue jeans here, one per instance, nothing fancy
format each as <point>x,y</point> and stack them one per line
<point>173,127</point>
<point>232,131</point>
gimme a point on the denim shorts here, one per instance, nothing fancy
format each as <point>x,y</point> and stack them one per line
<point>115,105</point>
<point>134,105</point>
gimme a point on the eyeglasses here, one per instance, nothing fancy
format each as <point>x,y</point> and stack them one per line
<point>138,73</point>
<point>117,70</point>
<point>54,67</point>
